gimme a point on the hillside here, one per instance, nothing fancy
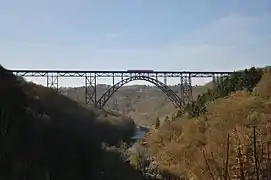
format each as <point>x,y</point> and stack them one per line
<point>53,102</point>
<point>195,146</point>
<point>45,135</point>
<point>142,103</point>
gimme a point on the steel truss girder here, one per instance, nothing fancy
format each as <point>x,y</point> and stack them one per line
<point>175,99</point>
<point>52,80</point>
<point>90,88</point>
<point>31,74</point>
<point>124,74</point>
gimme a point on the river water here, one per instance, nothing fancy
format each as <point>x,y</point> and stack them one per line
<point>140,132</point>
<point>150,169</point>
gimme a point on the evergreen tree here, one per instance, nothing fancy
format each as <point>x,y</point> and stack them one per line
<point>241,80</point>
<point>157,123</point>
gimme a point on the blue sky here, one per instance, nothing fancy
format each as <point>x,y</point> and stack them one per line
<point>142,34</point>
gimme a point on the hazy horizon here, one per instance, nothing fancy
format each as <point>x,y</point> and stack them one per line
<point>199,35</point>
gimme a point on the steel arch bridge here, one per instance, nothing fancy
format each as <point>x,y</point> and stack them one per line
<point>175,99</point>
<point>91,77</point>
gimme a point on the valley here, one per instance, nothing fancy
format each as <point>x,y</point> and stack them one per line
<point>64,135</point>
<point>144,104</point>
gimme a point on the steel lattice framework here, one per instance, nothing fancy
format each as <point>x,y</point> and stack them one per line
<point>127,76</point>
<point>176,100</point>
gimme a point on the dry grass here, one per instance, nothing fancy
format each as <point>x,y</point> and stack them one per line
<point>179,145</point>
<point>263,88</point>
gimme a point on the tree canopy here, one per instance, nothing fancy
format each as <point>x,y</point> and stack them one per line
<point>241,80</point>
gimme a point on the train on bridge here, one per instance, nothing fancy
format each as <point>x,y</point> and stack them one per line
<point>138,71</point>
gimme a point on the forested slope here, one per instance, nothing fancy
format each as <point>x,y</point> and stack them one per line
<point>45,134</point>
<point>197,145</point>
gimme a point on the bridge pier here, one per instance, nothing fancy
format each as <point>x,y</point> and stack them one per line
<point>165,79</point>
<point>186,88</point>
<point>90,88</point>
<point>114,99</point>
<point>113,79</point>
<point>217,79</point>
<point>52,80</point>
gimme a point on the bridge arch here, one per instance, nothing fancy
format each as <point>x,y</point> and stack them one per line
<point>175,99</point>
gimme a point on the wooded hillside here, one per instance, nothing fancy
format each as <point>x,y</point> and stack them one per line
<point>216,140</point>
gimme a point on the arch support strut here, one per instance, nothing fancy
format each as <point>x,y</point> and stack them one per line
<point>175,99</point>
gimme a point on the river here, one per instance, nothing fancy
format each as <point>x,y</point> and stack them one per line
<point>140,132</point>
<point>150,170</point>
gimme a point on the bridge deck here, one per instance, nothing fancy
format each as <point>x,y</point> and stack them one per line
<point>99,73</point>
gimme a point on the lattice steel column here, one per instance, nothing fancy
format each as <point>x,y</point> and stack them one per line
<point>90,88</point>
<point>52,80</point>
<point>216,80</point>
<point>113,79</point>
<point>165,79</point>
<point>182,88</point>
<point>220,79</point>
<point>115,101</point>
<point>187,89</point>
